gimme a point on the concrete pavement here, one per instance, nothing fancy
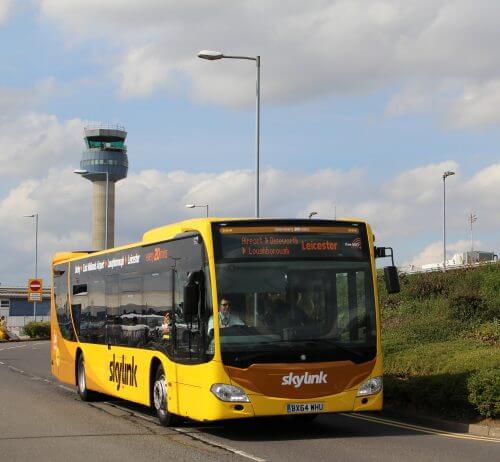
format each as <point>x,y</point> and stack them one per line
<point>42,419</point>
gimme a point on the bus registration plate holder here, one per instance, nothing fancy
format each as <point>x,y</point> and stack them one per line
<point>303,408</point>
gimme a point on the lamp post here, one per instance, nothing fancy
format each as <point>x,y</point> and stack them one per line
<point>193,206</point>
<point>312,214</point>
<point>215,55</point>
<point>85,172</point>
<point>445,175</point>
<point>35,216</point>
<point>472,219</point>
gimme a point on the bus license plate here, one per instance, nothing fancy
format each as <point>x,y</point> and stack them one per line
<point>304,407</point>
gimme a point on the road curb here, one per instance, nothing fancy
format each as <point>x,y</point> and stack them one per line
<point>447,425</point>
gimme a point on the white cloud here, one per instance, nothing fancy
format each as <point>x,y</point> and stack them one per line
<point>141,72</point>
<point>309,49</point>
<point>151,198</point>
<point>478,106</point>
<point>413,98</point>
<point>419,185</point>
<point>33,143</point>
<point>426,95</point>
<point>15,101</point>
<point>4,10</point>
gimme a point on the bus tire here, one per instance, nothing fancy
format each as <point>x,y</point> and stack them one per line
<point>159,401</point>
<point>81,381</point>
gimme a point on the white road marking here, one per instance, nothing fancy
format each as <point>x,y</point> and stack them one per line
<point>64,387</point>
<point>203,439</point>
<point>12,347</point>
<point>196,436</point>
<point>15,369</point>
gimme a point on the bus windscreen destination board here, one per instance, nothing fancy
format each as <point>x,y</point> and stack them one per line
<point>282,242</point>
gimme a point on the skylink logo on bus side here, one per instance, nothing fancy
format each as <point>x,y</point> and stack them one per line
<point>123,373</point>
<point>305,379</point>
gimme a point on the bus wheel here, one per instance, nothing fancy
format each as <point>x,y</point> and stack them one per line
<point>160,399</point>
<point>81,381</point>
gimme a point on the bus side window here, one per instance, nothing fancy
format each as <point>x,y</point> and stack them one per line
<point>113,328</point>
<point>189,335</point>
<point>61,301</point>
<point>96,309</point>
<point>157,309</point>
<point>76,310</point>
<point>80,298</point>
<point>133,331</point>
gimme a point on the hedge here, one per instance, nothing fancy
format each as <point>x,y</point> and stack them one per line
<point>37,329</point>
<point>484,391</point>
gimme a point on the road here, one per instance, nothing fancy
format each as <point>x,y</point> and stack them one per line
<point>43,420</point>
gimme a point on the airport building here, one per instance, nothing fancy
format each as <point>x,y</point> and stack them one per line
<point>16,308</point>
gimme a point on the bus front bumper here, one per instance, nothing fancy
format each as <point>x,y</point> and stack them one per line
<point>260,405</point>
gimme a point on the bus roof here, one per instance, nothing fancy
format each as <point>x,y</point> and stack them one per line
<point>166,232</point>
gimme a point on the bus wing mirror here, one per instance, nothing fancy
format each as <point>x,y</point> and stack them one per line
<point>391,279</point>
<point>390,272</point>
<point>192,294</point>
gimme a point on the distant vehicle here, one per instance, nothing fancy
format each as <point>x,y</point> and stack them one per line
<point>136,322</point>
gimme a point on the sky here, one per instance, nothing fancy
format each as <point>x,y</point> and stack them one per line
<point>364,105</point>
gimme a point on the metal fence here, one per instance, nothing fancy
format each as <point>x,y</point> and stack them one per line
<point>448,267</point>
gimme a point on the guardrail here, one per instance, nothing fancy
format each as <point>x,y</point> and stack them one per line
<point>448,267</point>
<point>105,126</point>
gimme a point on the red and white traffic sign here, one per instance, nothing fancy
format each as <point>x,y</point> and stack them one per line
<point>35,290</point>
<point>35,285</point>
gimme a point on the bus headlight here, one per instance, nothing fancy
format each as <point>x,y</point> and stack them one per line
<point>370,387</point>
<point>229,393</point>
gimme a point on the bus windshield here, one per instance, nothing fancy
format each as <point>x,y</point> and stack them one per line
<point>294,294</point>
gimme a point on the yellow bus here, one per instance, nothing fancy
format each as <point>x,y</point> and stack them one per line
<point>212,319</point>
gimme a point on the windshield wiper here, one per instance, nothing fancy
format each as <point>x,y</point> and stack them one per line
<point>335,344</point>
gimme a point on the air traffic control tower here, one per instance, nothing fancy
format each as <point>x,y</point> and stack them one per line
<point>104,163</point>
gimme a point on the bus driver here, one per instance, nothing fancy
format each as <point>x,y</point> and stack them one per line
<point>226,318</point>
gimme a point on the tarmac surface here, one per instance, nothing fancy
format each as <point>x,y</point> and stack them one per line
<point>43,420</point>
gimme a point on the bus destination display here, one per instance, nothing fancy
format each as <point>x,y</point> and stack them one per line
<point>290,242</point>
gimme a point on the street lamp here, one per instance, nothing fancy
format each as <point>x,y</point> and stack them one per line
<point>472,219</point>
<point>86,172</point>
<point>215,55</point>
<point>312,214</point>
<point>445,175</point>
<point>35,216</point>
<point>193,206</point>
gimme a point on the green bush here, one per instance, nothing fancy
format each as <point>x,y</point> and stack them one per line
<point>466,306</point>
<point>487,333</point>
<point>444,394</point>
<point>484,391</point>
<point>426,285</point>
<point>37,329</point>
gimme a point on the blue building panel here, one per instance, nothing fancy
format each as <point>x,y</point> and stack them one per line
<point>21,307</point>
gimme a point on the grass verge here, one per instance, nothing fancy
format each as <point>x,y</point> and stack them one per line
<point>441,340</point>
